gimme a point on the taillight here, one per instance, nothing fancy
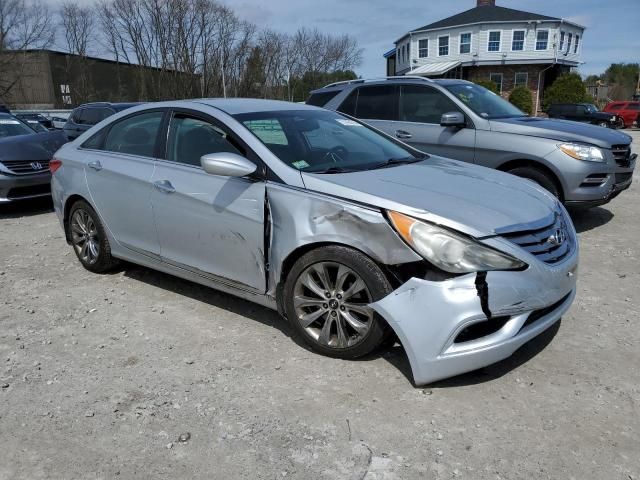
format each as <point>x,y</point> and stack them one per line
<point>54,165</point>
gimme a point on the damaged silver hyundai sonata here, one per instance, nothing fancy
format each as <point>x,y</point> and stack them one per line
<point>352,235</point>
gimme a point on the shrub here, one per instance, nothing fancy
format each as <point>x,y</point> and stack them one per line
<point>521,98</point>
<point>488,84</point>
<point>568,88</point>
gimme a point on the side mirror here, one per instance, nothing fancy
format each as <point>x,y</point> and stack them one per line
<point>453,119</point>
<point>227,164</point>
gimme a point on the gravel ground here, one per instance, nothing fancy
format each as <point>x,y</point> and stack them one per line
<point>137,374</point>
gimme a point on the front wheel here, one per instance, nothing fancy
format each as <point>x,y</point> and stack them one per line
<point>537,176</point>
<point>88,238</point>
<point>603,124</point>
<point>326,300</point>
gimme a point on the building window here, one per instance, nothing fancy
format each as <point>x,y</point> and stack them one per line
<point>497,79</point>
<point>542,40</point>
<point>423,48</point>
<point>562,35</point>
<point>443,46</point>
<point>575,48</point>
<point>521,79</point>
<point>517,43</point>
<point>569,40</point>
<point>404,53</point>
<point>494,42</point>
<point>465,43</point>
<point>408,52</point>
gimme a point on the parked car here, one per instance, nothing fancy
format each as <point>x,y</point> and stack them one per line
<point>59,122</point>
<point>584,112</point>
<point>583,165</point>
<point>33,119</point>
<point>86,116</point>
<point>349,233</point>
<point>3,108</point>
<point>628,111</point>
<point>24,159</point>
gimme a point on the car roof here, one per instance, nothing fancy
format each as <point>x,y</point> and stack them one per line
<point>116,106</point>
<point>404,79</point>
<point>235,106</point>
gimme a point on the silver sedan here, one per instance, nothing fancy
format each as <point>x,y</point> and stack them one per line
<point>352,235</point>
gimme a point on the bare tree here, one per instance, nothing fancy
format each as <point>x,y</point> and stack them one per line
<point>24,24</point>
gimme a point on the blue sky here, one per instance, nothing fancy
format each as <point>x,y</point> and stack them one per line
<point>612,33</point>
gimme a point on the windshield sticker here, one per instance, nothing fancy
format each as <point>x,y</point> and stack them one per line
<point>300,164</point>
<point>348,123</point>
<point>9,122</point>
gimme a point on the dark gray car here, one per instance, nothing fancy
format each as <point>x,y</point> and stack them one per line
<point>583,165</point>
<point>86,116</point>
<point>24,159</point>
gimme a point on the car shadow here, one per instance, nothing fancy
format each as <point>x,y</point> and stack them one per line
<point>585,220</point>
<point>209,296</point>
<point>392,352</point>
<point>26,208</point>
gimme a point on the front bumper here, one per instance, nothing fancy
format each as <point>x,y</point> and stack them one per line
<point>429,317</point>
<point>22,187</point>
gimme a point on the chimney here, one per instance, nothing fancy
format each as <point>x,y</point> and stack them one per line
<point>486,3</point>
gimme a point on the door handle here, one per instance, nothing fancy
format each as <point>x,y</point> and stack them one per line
<point>95,165</point>
<point>403,134</point>
<point>164,186</point>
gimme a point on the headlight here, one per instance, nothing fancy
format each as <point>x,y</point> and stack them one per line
<point>582,152</point>
<point>449,251</point>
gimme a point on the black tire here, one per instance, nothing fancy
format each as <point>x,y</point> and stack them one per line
<point>604,124</point>
<point>538,176</point>
<point>103,261</point>
<point>377,286</point>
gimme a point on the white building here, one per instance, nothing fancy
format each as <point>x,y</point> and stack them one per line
<point>489,42</point>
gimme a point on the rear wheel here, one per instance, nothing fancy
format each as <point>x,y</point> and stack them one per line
<point>88,238</point>
<point>537,176</point>
<point>604,124</point>
<point>326,299</point>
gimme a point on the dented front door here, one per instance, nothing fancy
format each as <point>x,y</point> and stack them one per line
<point>211,224</point>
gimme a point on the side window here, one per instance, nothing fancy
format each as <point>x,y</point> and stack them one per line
<point>77,116</point>
<point>322,98</point>
<point>424,105</point>
<point>134,135</point>
<point>348,106</point>
<point>378,102</point>
<point>190,138</point>
<point>634,106</point>
<point>93,116</point>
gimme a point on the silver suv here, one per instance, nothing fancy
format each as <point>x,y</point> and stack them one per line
<point>582,165</point>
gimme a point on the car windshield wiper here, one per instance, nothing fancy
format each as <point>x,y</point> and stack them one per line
<point>334,170</point>
<point>397,161</point>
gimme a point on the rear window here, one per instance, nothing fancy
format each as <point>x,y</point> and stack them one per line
<point>634,106</point>
<point>320,99</point>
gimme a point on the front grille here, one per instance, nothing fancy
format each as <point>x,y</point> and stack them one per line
<point>550,244</point>
<point>30,191</point>
<point>622,155</point>
<point>24,167</point>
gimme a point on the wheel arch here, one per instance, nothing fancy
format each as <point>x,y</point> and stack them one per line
<point>69,202</point>
<point>511,164</point>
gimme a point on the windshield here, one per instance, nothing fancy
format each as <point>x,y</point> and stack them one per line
<point>484,102</point>
<point>325,142</point>
<point>591,108</point>
<point>10,127</point>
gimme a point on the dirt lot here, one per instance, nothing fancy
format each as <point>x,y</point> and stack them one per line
<point>101,375</point>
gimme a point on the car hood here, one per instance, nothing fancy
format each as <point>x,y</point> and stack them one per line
<point>36,147</point>
<point>561,130</point>
<point>476,200</point>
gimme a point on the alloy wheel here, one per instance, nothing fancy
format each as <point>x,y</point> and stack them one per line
<point>331,302</point>
<point>84,236</point>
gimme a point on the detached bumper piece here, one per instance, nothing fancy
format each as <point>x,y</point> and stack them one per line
<point>465,323</point>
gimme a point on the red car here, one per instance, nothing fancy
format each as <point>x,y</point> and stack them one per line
<point>628,111</point>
